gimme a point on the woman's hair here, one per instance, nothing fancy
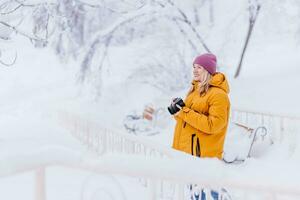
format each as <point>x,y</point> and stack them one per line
<point>204,85</point>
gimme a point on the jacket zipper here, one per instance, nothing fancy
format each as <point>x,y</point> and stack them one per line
<point>198,149</point>
<point>192,146</point>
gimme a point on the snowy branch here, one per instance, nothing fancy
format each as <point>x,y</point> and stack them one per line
<point>34,4</point>
<point>143,4</point>
<point>8,64</point>
<point>254,8</point>
<point>188,22</point>
<point>108,34</point>
<point>184,33</point>
<point>21,33</point>
<point>22,4</point>
<point>11,11</point>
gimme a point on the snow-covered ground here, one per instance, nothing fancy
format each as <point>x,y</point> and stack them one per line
<point>38,87</point>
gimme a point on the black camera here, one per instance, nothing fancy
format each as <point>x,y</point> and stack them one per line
<point>174,107</point>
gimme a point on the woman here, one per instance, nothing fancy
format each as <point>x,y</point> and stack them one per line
<point>202,119</point>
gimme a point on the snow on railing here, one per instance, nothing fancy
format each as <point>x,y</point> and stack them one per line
<point>111,142</point>
<point>103,141</point>
<point>282,128</point>
<point>147,155</point>
<point>37,162</point>
<point>209,173</point>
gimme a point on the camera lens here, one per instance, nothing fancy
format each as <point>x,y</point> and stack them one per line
<point>170,109</point>
<point>173,109</point>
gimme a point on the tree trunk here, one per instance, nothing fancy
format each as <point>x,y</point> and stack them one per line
<point>250,29</point>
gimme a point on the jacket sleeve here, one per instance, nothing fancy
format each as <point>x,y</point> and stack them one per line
<point>214,121</point>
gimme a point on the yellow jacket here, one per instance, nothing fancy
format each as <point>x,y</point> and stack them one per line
<point>202,124</point>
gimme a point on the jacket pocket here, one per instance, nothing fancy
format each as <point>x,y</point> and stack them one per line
<point>195,146</point>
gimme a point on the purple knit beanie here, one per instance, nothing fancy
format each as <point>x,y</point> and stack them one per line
<point>208,61</point>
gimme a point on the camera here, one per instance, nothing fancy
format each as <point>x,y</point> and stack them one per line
<point>174,107</point>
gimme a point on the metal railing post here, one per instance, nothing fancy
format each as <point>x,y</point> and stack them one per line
<point>179,191</point>
<point>40,189</point>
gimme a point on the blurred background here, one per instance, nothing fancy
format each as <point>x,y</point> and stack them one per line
<point>115,65</point>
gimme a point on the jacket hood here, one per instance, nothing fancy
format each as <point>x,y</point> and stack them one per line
<point>219,80</point>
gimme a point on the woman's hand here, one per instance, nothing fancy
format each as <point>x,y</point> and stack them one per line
<point>176,105</point>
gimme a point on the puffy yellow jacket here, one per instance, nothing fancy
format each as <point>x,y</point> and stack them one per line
<point>202,124</point>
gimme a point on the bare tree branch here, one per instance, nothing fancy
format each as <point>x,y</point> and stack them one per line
<point>211,12</point>
<point>159,74</point>
<point>105,52</point>
<point>11,11</point>
<point>87,60</point>
<point>189,23</point>
<point>47,25</point>
<point>111,9</point>
<point>33,5</point>
<point>184,33</point>
<point>196,16</point>
<point>22,5</point>
<point>4,5</point>
<point>108,34</point>
<point>252,19</point>
<point>198,36</point>
<point>21,33</point>
<point>105,37</point>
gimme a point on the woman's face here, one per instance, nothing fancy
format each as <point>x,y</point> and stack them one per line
<point>198,72</point>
